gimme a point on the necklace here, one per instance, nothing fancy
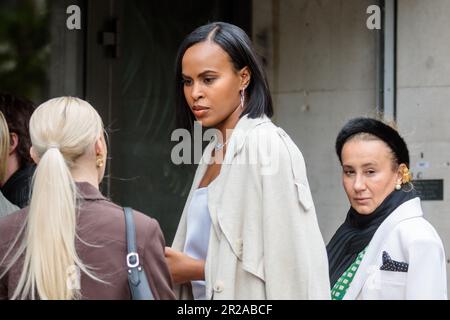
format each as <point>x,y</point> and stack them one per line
<point>219,146</point>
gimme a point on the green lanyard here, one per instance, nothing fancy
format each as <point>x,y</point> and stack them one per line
<point>341,286</point>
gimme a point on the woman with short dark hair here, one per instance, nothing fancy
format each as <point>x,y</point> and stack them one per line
<point>249,228</point>
<point>385,249</point>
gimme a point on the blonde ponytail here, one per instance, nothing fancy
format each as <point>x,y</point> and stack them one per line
<point>61,130</point>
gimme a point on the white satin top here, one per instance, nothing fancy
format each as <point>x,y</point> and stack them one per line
<point>197,235</point>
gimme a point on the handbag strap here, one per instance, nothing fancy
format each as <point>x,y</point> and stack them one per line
<point>133,262</point>
<point>137,279</point>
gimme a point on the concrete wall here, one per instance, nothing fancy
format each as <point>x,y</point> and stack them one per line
<point>321,60</point>
<point>423,97</point>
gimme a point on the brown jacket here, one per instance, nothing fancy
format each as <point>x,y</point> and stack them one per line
<point>100,223</point>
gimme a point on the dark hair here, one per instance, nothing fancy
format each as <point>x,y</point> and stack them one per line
<point>17,112</point>
<point>234,41</point>
<point>378,129</point>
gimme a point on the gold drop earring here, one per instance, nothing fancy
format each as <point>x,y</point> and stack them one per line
<point>99,162</point>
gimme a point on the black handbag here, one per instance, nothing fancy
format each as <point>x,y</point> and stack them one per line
<point>140,290</point>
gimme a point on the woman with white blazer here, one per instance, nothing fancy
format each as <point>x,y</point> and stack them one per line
<point>249,228</point>
<point>385,249</point>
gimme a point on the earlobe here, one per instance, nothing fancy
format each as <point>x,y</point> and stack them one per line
<point>99,146</point>
<point>100,152</point>
<point>34,156</point>
<point>245,77</point>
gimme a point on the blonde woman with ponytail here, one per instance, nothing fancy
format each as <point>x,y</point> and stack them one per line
<point>6,207</point>
<point>70,242</point>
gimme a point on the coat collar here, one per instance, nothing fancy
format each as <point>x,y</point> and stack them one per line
<point>408,210</point>
<point>245,124</point>
<point>87,191</point>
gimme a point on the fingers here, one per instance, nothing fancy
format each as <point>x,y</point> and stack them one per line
<point>168,251</point>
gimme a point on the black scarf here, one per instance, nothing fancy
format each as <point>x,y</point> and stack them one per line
<point>357,231</point>
<point>17,188</point>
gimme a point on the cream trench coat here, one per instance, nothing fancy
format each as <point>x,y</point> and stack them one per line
<point>265,241</point>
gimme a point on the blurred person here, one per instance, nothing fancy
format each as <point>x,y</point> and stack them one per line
<point>6,207</point>
<point>15,185</point>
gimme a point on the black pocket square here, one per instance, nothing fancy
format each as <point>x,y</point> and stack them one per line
<point>392,265</point>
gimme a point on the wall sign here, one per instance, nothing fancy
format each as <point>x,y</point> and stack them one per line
<point>429,190</point>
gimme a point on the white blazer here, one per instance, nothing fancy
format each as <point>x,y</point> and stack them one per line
<point>406,237</point>
<point>265,241</point>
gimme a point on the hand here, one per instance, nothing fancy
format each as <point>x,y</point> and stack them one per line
<point>184,268</point>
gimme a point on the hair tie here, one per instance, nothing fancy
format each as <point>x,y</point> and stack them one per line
<point>53,146</point>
